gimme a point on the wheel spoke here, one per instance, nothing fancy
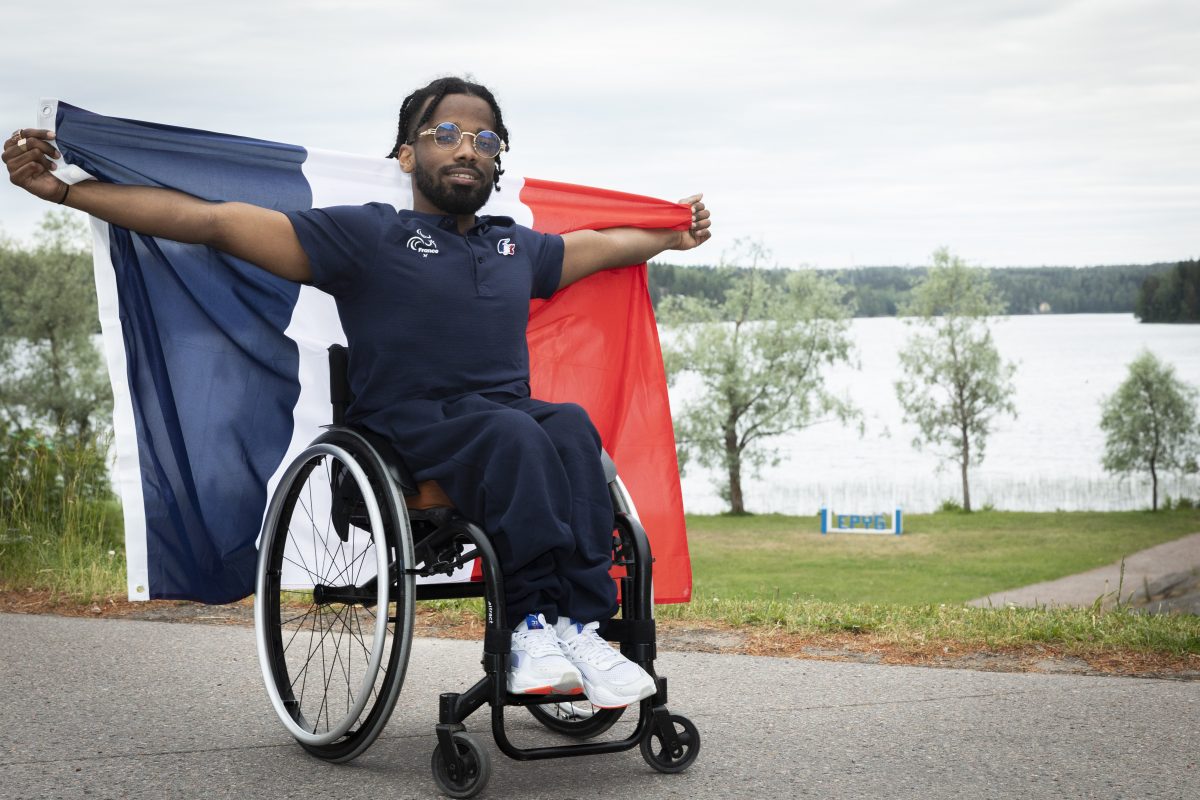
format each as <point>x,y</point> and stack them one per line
<point>333,580</point>
<point>296,540</point>
<point>304,670</point>
<point>324,708</point>
<point>335,659</point>
<point>313,523</point>
<point>298,628</point>
<point>312,577</point>
<point>319,641</point>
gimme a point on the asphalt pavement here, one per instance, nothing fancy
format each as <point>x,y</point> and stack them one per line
<point>1131,576</point>
<point>132,709</point>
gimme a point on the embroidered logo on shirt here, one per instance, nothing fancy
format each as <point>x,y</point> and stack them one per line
<point>506,247</point>
<point>423,243</point>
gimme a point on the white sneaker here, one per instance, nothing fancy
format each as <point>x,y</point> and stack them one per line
<point>536,664</point>
<point>610,680</point>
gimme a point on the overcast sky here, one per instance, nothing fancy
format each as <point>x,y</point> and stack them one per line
<point>1015,132</point>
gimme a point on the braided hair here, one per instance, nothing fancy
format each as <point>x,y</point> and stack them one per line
<point>434,92</point>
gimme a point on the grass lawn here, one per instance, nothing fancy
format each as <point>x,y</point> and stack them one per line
<point>940,558</point>
<point>786,587</point>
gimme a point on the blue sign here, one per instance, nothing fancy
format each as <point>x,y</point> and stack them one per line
<point>860,523</point>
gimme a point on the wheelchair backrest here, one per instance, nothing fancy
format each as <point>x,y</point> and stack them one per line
<point>340,395</point>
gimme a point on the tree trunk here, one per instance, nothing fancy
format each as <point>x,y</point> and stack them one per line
<point>966,489</point>
<point>966,459</point>
<point>733,458</point>
<point>56,373</point>
<point>1153,486</point>
<point>736,504</point>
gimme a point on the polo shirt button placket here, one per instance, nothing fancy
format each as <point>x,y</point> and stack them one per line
<point>481,289</point>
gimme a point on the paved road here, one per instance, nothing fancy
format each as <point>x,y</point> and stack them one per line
<point>119,708</point>
<point>1141,569</point>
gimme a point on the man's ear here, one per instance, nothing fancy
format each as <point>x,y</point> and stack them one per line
<point>406,157</point>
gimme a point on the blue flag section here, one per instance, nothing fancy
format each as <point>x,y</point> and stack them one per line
<point>212,376</point>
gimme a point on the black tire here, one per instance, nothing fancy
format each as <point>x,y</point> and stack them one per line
<point>333,663</point>
<point>578,719</point>
<point>657,755</point>
<point>477,767</point>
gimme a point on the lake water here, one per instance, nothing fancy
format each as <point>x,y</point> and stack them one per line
<point>1046,459</point>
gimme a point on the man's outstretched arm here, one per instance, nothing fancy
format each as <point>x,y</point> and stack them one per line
<point>585,252</point>
<point>260,236</point>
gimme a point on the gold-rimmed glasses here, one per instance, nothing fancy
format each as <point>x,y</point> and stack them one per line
<point>447,136</point>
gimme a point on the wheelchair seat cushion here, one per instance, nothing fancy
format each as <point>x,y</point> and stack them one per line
<point>429,495</point>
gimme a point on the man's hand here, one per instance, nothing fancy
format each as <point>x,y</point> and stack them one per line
<point>591,251</point>
<point>29,155</point>
<point>699,233</point>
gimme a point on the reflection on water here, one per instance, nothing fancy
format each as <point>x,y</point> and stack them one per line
<point>1046,459</point>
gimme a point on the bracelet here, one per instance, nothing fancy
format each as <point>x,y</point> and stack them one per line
<point>64,197</point>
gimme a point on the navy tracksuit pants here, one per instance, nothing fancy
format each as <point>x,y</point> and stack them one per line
<point>529,473</point>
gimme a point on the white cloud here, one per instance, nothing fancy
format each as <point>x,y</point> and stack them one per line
<point>861,132</point>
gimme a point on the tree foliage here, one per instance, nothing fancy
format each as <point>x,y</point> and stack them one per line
<point>758,352</point>
<point>1171,296</point>
<point>52,378</point>
<point>1150,423</point>
<point>955,383</point>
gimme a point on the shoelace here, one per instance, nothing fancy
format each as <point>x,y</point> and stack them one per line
<point>589,646</point>
<point>538,642</point>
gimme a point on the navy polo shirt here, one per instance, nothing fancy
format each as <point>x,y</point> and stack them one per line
<point>428,312</point>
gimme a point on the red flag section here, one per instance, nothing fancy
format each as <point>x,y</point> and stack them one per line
<point>595,343</point>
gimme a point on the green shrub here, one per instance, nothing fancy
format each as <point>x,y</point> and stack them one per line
<point>60,526</point>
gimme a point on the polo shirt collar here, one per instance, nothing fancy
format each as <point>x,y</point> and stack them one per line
<point>449,222</point>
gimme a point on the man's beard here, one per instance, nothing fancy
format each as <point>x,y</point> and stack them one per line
<point>452,198</point>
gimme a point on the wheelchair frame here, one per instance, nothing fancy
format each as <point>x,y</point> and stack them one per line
<point>373,529</point>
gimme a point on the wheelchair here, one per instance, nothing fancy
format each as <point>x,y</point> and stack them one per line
<point>346,535</point>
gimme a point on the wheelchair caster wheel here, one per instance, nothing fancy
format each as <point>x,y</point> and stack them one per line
<point>467,776</point>
<point>578,719</point>
<point>671,750</point>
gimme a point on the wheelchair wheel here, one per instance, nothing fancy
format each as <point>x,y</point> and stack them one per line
<point>578,719</point>
<point>467,777</point>
<point>676,756</point>
<point>335,600</point>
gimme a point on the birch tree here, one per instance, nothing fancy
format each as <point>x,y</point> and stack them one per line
<point>955,384</point>
<point>1150,423</point>
<point>758,354</point>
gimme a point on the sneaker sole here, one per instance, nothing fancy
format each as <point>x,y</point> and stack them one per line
<point>573,687</point>
<point>578,690</point>
<point>602,699</point>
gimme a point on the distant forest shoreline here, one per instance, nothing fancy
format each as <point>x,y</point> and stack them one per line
<point>879,291</point>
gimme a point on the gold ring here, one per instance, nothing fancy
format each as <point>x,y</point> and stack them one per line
<point>21,144</point>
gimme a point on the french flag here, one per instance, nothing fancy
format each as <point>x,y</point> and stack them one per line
<point>220,373</point>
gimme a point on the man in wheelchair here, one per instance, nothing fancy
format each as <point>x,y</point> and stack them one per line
<point>434,302</point>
